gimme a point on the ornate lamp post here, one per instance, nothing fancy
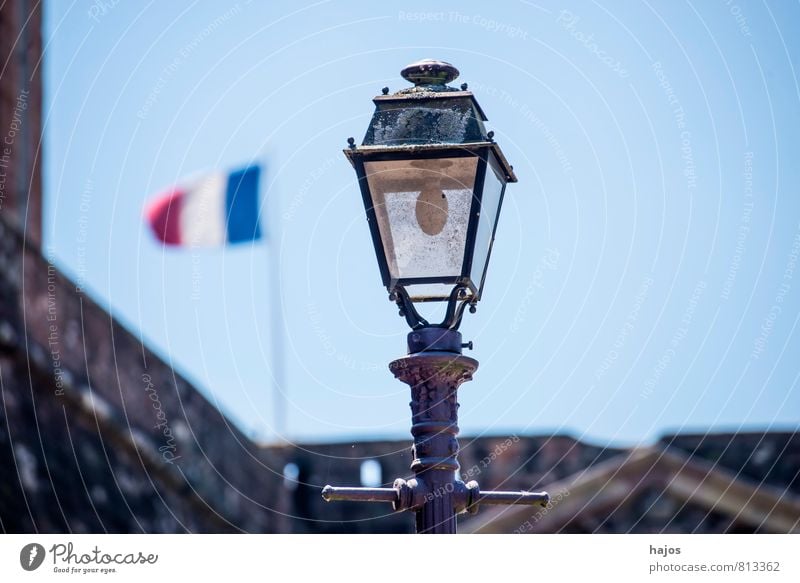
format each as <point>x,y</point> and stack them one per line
<point>432,179</point>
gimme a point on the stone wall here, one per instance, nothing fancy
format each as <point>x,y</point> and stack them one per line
<point>98,433</point>
<point>20,116</point>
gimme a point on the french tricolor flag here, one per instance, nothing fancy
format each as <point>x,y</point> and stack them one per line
<point>211,210</point>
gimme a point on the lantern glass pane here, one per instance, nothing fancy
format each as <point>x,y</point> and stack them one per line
<point>490,202</point>
<point>422,208</point>
<point>421,292</point>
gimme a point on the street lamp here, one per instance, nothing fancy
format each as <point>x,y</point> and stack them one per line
<point>432,180</point>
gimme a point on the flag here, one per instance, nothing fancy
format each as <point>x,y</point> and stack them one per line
<point>212,210</point>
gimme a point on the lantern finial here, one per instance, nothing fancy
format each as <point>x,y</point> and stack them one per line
<point>429,72</point>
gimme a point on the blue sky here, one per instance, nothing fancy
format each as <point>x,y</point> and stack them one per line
<point>644,277</point>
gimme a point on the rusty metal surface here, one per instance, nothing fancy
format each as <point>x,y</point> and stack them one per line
<point>425,120</point>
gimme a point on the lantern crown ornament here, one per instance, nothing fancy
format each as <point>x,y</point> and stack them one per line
<point>432,180</point>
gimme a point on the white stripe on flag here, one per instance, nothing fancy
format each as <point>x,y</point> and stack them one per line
<point>203,212</point>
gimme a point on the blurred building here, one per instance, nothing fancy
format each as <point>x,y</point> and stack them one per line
<point>704,483</point>
<point>97,434</point>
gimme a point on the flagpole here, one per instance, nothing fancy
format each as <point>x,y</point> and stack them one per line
<point>277,322</point>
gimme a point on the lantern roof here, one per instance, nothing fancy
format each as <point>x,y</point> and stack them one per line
<point>431,115</point>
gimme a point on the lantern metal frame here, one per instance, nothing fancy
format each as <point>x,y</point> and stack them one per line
<point>489,159</point>
<point>427,122</point>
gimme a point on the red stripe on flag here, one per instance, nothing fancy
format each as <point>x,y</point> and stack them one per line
<point>164,214</point>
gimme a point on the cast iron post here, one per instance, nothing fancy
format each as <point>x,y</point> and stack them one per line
<point>434,369</point>
<point>434,377</point>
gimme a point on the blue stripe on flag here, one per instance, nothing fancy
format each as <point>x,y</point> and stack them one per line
<point>241,205</point>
